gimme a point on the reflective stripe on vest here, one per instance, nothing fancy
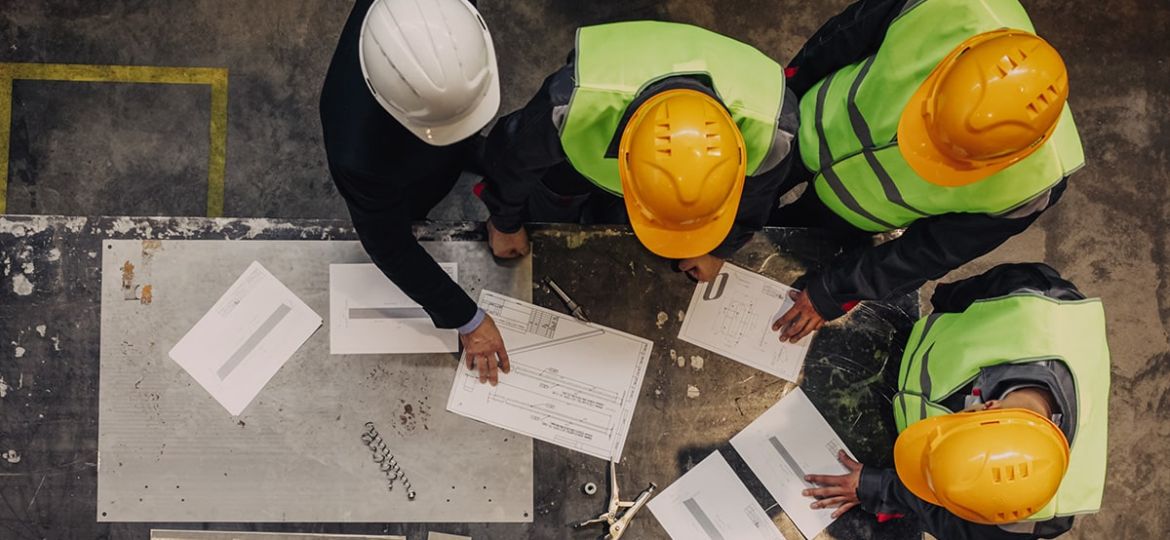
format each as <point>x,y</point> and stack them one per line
<point>947,351</point>
<point>850,123</point>
<point>615,62</point>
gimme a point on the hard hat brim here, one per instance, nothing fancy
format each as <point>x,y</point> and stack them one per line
<point>921,153</point>
<point>676,244</point>
<point>910,450</point>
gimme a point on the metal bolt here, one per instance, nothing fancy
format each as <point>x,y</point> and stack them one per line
<point>410,495</point>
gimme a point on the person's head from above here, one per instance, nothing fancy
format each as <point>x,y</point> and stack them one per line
<point>995,463</point>
<point>992,102</point>
<point>682,163</point>
<point>432,66</point>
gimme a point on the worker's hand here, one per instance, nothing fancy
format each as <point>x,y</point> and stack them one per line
<point>800,320</point>
<point>507,245</point>
<point>839,491</point>
<point>702,268</point>
<point>484,350</point>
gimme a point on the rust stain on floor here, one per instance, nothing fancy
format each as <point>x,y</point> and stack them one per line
<point>147,295</point>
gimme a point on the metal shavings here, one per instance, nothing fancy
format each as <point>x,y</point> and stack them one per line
<point>385,460</point>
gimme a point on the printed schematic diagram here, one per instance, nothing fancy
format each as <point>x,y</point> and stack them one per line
<point>573,384</point>
<point>732,315</point>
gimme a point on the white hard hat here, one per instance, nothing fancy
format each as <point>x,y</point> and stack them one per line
<point>432,66</point>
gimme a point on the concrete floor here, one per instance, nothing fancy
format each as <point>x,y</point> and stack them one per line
<point>87,149</point>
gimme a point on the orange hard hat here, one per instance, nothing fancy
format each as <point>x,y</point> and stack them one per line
<point>993,466</point>
<point>681,159</point>
<point>990,103</point>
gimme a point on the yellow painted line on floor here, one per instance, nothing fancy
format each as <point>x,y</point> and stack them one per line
<point>216,78</point>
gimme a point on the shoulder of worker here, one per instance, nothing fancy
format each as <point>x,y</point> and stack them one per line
<point>1003,280</point>
<point>1037,204</point>
<point>787,124</point>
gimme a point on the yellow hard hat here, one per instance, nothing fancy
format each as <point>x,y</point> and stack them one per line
<point>681,160</point>
<point>990,103</point>
<point>990,467</point>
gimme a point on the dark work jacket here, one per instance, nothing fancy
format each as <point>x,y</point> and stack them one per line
<point>880,490</point>
<point>389,178</point>
<point>526,144</point>
<point>927,248</point>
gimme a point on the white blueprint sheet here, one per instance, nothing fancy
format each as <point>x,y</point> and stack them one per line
<point>788,441</point>
<point>572,384</point>
<point>236,348</point>
<point>710,503</point>
<point>368,314</point>
<point>732,315</point>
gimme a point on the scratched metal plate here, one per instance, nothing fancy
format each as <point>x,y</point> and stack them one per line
<point>169,452</point>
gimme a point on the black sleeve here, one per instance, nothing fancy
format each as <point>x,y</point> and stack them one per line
<point>761,193</point>
<point>382,219</point>
<point>880,491</point>
<point>928,249</point>
<point>844,39</point>
<point>1003,280</point>
<point>521,148</point>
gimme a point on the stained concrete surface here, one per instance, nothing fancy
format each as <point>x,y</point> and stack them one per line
<point>1108,234</point>
<point>109,148</point>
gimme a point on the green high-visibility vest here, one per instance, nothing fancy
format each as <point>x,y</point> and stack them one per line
<point>615,62</point>
<point>946,352</point>
<point>850,122</point>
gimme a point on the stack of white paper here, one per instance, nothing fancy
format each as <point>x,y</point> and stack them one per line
<point>236,348</point>
<point>732,315</point>
<point>369,314</point>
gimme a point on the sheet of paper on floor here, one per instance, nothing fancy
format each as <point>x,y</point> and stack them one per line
<point>788,441</point>
<point>709,502</point>
<point>236,348</point>
<point>445,536</point>
<point>369,314</point>
<point>573,384</point>
<point>173,534</point>
<point>732,315</point>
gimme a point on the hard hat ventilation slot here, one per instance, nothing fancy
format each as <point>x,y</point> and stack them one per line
<point>1006,65</point>
<point>713,148</point>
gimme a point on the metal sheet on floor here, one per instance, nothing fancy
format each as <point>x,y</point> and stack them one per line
<point>168,452</point>
<point>161,534</point>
